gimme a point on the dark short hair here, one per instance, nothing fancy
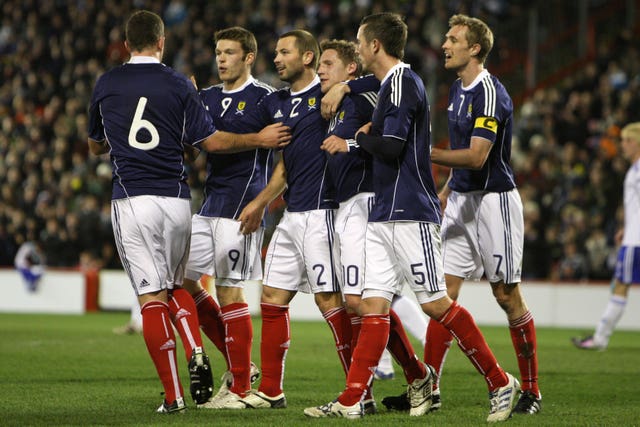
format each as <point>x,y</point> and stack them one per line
<point>241,35</point>
<point>143,30</point>
<point>478,32</point>
<point>346,52</point>
<point>305,42</point>
<point>389,29</point>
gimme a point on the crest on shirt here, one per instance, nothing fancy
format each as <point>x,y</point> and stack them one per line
<point>240,108</point>
<point>341,117</point>
<point>311,102</point>
<point>469,110</point>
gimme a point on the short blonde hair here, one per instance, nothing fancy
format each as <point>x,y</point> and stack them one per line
<point>631,131</point>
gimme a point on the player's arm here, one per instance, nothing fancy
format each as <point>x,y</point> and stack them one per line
<point>333,98</point>
<point>98,147</point>
<point>473,157</point>
<point>251,216</point>
<point>382,147</point>
<point>443,195</point>
<point>276,135</point>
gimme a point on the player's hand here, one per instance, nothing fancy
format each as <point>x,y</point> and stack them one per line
<point>366,128</point>
<point>251,217</point>
<point>332,99</point>
<point>276,135</point>
<point>334,144</point>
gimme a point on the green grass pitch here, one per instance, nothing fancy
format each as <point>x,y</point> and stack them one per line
<point>72,370</point>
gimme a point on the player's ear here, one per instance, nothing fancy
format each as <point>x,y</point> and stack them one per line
<point>307,57</point>
<point>250,58</point>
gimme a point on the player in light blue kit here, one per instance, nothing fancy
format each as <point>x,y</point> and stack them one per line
<point>627,270</point>
<point>143,114</point>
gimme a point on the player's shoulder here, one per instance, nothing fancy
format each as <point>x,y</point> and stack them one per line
<point>211,90</point>
<point>260,86</point>
<point>363,100</point>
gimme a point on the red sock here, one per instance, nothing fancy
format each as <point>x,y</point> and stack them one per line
<point>237,321</point>
<point>184,316</point>
<point>472,343</point>
<point>340,325</point>
<point>161,344</point>
<point>523,336</point>
<point>356,324</point>
<point>211,321</point>
<point>273,347</point>
<point>402,350</point>
<point>371,343</point>
<point>436,347</point>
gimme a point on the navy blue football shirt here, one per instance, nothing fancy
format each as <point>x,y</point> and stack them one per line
<point>308,187</point>
<point>351,172</point>
<point>233,180</point>
<point>404,187</point>
<point>147,111</point>
<point>484,109</point>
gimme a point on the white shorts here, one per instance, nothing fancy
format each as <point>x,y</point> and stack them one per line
<point>152,235</point>
<point>404,252</point>
<point>219,250</point>
<point>351,227</point>
<point>484,232</point>
<point>301,254</point>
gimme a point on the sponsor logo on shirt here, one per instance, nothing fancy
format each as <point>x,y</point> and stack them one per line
<point>277,115</point>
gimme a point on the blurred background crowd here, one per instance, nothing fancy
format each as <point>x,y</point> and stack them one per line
<point>565,150</point>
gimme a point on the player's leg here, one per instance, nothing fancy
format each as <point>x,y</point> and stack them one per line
<point>418,247</point>
<point>237,264</point>
<point>501,241</point>
<point>627,272</point>
<point>135,223</point>
<point>320,256</point>
<point>334,313</point>
<point>282,274</point>
<point>175,243</point>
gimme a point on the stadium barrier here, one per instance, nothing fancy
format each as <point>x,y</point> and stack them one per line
<point>564,304</point>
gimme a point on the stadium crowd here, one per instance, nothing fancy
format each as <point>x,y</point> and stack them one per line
<point>566,151</point>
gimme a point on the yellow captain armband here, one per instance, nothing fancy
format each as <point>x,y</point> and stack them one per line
<point>488,123</point>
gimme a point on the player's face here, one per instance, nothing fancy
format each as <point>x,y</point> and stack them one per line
<point>364,50</point>
<point>331,70</point>
<point>630,148</point>
<point>232,62</point>
<point>288,60</point>
<point>457,52</point>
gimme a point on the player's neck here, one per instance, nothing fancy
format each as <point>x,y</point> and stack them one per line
<point>229,85</point>
<point>384,64</point>
<point>469,73</point>
<point>148,52</point>
<point>305,79</point>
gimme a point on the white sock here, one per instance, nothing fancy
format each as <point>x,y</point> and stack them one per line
<point>413,318</point>
<point>609,320</point>
<point>386,362</point>
<point>136,315</point>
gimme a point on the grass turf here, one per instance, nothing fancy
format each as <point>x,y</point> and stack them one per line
<point>72,370</point>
